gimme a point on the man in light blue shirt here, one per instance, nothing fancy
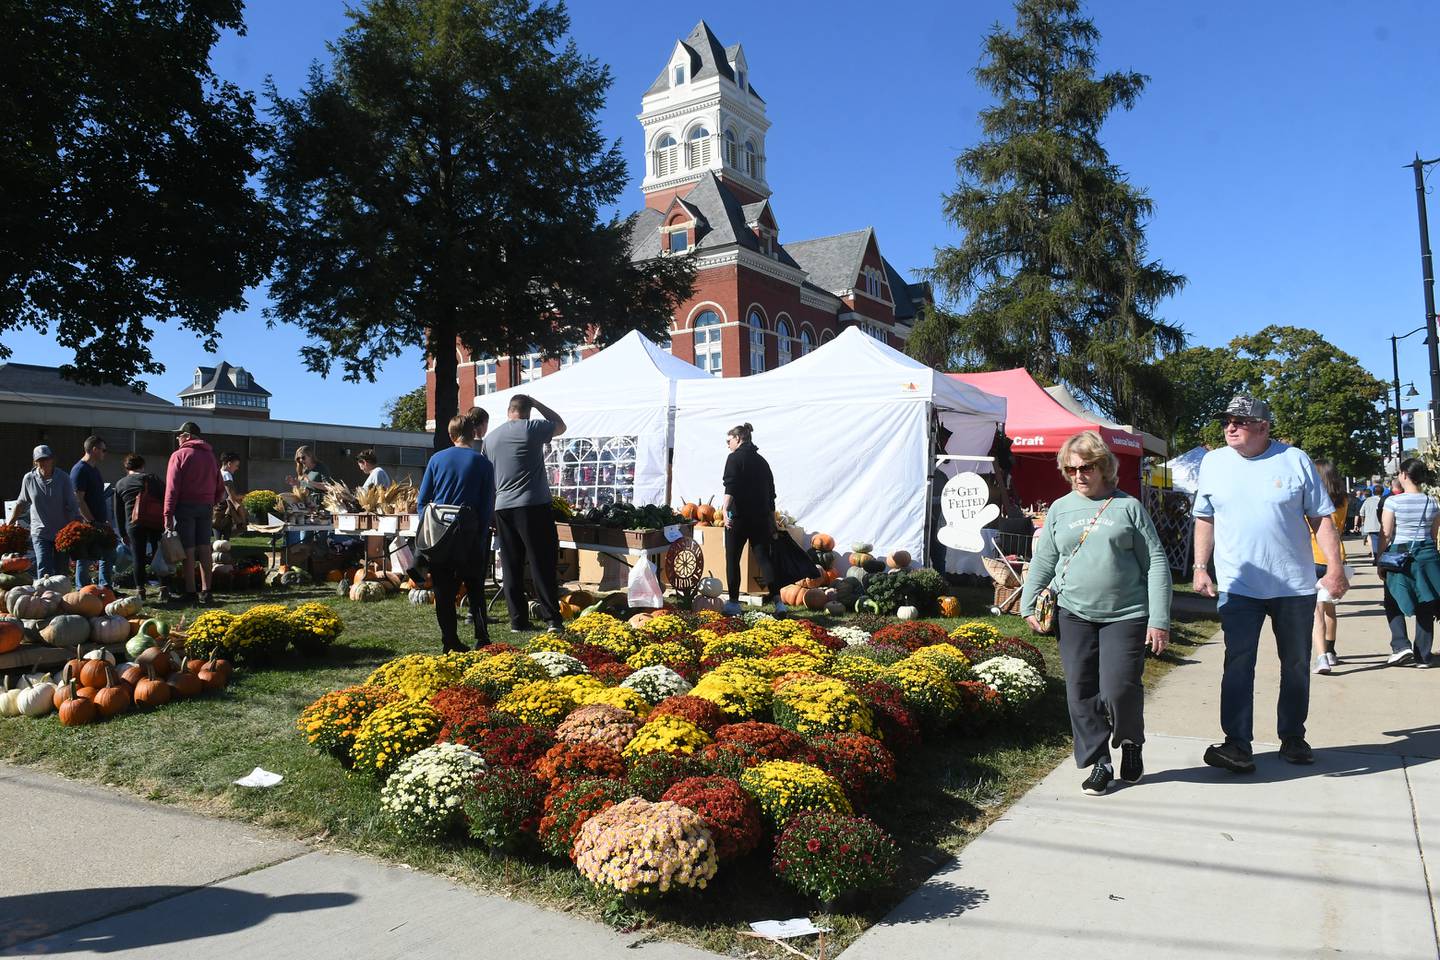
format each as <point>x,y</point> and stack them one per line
<point>1256,502</point>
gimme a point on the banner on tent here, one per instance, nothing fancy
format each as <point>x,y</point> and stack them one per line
<point>966,507</point>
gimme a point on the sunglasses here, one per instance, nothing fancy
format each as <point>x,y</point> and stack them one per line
<point>1083,468</point>
<point>1242,423</point>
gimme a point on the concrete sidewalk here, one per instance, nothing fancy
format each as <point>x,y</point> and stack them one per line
<point>1195,862</point>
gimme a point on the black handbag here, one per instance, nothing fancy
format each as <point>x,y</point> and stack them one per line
<point>1394,561</point>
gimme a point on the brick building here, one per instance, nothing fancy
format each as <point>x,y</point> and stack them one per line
<point>759,301</point>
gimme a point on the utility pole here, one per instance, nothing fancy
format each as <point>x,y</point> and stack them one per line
<point>1427,270</point>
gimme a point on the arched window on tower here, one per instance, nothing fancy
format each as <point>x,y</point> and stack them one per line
<point>732,150</point>
<point>707,341</point>
<point>752,160</point>
<point>757,342</point>
<point>783,344</point>
<point>667,156</point>
<point>698,147</point>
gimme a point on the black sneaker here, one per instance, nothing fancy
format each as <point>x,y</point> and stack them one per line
<point>1132,767</point>
<point>1228,756</point>
<point>187,599</point>
<point>206,597</point>
<point>1296,750</point>
<point>1098,783</point>
<point>453,646</point>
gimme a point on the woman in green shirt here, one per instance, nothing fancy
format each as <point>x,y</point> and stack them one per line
<point>1100,555</point>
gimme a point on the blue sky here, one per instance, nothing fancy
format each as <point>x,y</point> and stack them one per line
<point>1272,138</point>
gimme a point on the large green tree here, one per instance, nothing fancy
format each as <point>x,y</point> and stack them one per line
<point>1202,381</point>
<point>1053,272</point>
<point>407,411</point>
<point>1325,402</point>
<point>443,181</point>
<point>124,171</point>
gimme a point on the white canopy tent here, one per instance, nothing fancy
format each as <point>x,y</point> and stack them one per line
<point>846,430</point>
<point>617,407</point>
<point>1184,470</point>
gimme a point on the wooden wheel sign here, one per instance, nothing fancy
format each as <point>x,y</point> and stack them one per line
<point>684,565</point>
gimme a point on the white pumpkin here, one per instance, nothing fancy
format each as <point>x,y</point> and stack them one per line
<point>711,587</point>
<point>56,584</point>
<point>126,607</point>
<point>9,704</point>
<point>66,630</point>
<point>36,699</point>
<point>835,608</point>
<point>421,597</point>
<point>15,593</point>
<point>37,605</point>
<point>908,613</point>
<point>109,629</point>
<point>220,546</point>
<point>100,653</point>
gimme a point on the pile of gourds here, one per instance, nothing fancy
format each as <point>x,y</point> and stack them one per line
<point>51,611</point>
<point>370,583</point>
<point>93,687</point>
<point>704,514</point>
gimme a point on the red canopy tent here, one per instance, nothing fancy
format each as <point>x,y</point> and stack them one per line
<point>1037,425</point>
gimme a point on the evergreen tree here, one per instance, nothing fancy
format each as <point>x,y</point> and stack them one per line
<point>443,182</point>
<point>1053,268</point>
<point>125,169</point>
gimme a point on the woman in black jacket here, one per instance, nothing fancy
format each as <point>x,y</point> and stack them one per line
<point>749,510</point>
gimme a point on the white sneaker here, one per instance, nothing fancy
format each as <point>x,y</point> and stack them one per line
<point>1322,664</point>
<point>1334,660</point>
<point>1422,663</point>
<point>1400,658</point>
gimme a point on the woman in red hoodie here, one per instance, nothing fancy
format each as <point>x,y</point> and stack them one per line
<point>192,488</point>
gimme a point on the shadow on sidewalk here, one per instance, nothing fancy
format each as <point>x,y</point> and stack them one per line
<point>206,912</point>
<point>1416,746</point>
<point>938,899</point>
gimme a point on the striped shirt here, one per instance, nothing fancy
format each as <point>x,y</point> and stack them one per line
<point>1414,516</point>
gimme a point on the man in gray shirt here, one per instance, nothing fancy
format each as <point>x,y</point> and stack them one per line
<point>50,497</point>
<point>524,522</point>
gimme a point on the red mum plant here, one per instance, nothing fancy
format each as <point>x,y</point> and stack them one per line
<point>517,746</point>
<point>752,743</point>
<point>85,539</point>
<point>565,762</point>
<point>897,726</point>
<point>909,635</point>
<point>972,653</point>
<point>464,713</point>
<point>592,656</point>
<point>979,705</point>
<point>820,635</point>
<point>612,673</point>
<point>504,809</point>
<point>824,854</point>
<point>726,626</point>
<point>860,764</point>
<point>651,774</point>
<point>703,713</point>
<point>498,647</point>
<point>566,810</point>
<point>729,812</point>
<point>14,538</point>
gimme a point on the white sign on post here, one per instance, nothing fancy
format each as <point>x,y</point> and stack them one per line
<point>964,503</point>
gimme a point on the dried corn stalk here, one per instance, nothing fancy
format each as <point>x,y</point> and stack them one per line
<point>337,498</point>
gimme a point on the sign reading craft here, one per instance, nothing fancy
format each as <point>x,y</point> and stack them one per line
<point>964,503</point>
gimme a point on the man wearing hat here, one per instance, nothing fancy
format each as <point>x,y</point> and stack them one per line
<point>192,488</point>
<point>50,497</point>
<point>1256,502</point>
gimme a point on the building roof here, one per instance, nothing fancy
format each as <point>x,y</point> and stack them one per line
<point>708,58</point>
<point>721,220</point>
<point>24,381</point>
<point>905,308</point>
<point>832,262</point>
<point>223,378</point>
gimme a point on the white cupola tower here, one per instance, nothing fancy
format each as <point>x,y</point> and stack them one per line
<point>703,115</point>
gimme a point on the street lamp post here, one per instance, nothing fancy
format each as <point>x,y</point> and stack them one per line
<point>1395,369</point>
<point>1427,273</point>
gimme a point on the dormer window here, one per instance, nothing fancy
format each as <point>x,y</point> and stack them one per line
<point>197,376</point>
<point>678,240</point>
<point>242,379</point>
<point>739,79</point>
<point>679,74</point>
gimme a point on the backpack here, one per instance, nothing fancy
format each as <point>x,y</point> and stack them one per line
<point>148,513</point>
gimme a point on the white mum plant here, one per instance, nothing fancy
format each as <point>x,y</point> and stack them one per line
<point>1016,681</point>
<point>424,795</point>
<point>853,636</point>
<point>558,664</point>
<point>657,682</point>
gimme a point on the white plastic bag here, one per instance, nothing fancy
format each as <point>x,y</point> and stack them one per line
<point>160,566</point>
<point>644,587</point>
<point>171,547</point>
<point>1323,596</point>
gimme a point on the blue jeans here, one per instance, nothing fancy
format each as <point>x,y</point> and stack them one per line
<point>49,562</point>
<point>105,570</point>
<point>1241,618</point>
<point>1374,540</point>
<point>1425,614</point>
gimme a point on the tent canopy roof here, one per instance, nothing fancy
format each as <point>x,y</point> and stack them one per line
<point>854,368</point>
<point>1036,422</point>
<point>631,372</point>
<point>1069,401</point>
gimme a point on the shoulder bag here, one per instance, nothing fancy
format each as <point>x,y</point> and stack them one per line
<point>148,512</point>
<point>1048,597</point>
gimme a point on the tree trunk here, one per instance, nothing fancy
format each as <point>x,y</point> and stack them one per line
<point>447,390</point>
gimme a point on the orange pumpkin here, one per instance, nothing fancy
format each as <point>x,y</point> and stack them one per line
<point>822,541</point>
<point>812,582</point>
<point>105,594</point>
<point>704,512</point>
<point>12,634</point>
<point>899,560</point>
<point>949,607</point>
<point>689,510</point>
<point>793,595</point>
<point>815,599</point>
<point>15,563</point>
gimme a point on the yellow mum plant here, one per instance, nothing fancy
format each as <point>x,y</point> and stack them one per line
<point>417,675</point>
<point>666,734</point>
<point>783,789</point>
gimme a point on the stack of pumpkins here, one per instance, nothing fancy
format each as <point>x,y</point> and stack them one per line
<point>92,686</point>
<point>704,514</point>
<point>370,583</point>
<point>51,611</point>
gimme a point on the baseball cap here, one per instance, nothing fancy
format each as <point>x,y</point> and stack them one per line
<point>42,452</point>
<point>190,427</point>
<point>1244,405</point>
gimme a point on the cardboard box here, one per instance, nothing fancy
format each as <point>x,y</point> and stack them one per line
<point>567,567</point>
<point>712,544</point>
<point>601,570</point>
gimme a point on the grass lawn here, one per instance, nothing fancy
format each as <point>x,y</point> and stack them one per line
<point>188,754</point>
